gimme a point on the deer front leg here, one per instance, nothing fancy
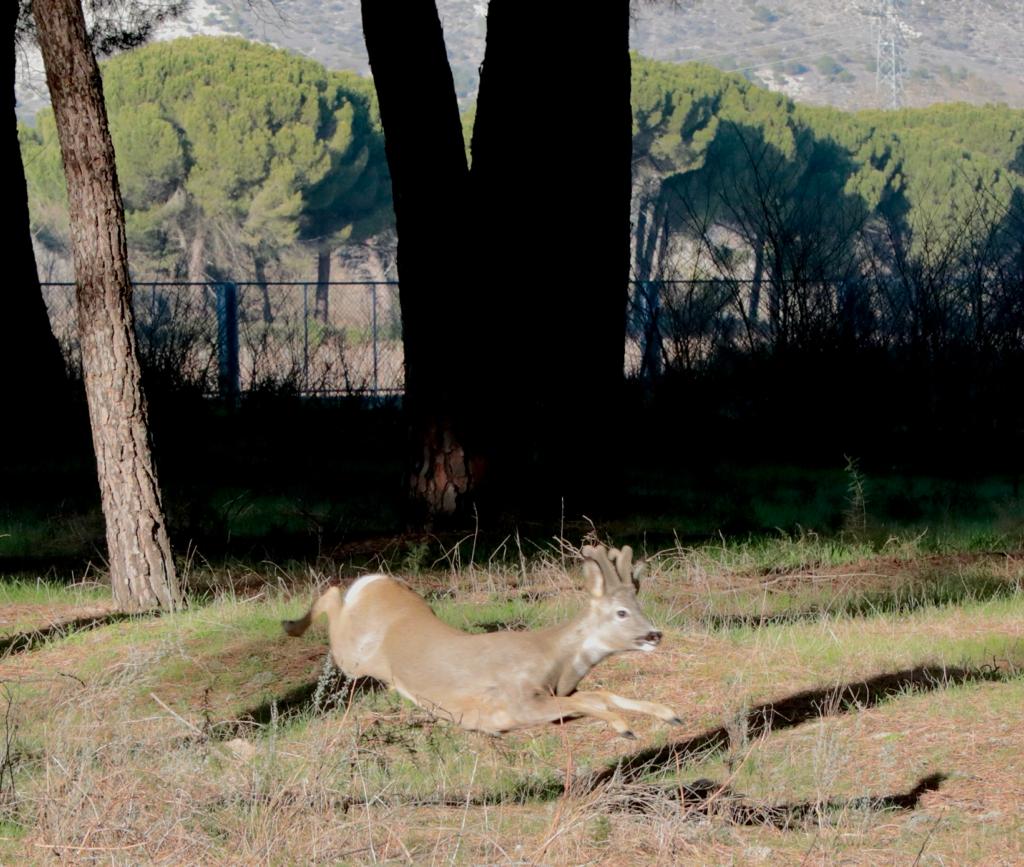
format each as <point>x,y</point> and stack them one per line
<point>551,708</point>
<point>632,705</point>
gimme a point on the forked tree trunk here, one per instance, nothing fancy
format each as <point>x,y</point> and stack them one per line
<point>518,374</point>
<point>321,303</point>
<point>35,381</point>
<point>141,566</point>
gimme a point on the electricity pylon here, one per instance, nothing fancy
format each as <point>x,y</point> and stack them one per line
<point>890,66</point>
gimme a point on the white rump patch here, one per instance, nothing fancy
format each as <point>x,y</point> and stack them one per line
<point>353,592</point>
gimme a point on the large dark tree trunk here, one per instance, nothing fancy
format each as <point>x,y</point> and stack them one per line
<point>555,232</point>
<point>517,376</point>
<point>30,357</point>
<point>429,179</point>
<point>141,566</point>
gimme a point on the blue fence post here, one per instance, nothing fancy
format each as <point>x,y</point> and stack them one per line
<point>228,378</point>
<point>373,299</point>
<point>305,338</point>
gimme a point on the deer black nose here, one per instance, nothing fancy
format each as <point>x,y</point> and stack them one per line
<point>653,636</point>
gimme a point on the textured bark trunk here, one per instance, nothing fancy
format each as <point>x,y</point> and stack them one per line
<point>321,305</point>
<point>35,380</point>
<point>141,566</point>
<point>443,474</point>
<point>429,178</point>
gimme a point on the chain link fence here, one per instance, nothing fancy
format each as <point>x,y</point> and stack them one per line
<point>344,338</point>
<point>226,339</point>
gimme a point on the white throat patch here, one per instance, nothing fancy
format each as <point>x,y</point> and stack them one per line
<point>591,652</point>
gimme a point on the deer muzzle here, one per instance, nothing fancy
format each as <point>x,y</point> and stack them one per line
<point>649,641</point>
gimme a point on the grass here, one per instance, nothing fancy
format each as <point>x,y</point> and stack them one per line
<point>30,606</point>
<point>195,737</point>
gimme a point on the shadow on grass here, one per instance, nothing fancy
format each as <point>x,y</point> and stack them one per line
<point>335,691</point>
<point>24,641</point>
<point>790,712</point>
<point>922,592</point>
<point>704,798</point>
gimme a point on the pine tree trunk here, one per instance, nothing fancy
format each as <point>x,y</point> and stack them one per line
<point>35,380</point>
<point>321,303</point>
<point>141,566</point>
<point>429,178</point>
<point>564,313</point>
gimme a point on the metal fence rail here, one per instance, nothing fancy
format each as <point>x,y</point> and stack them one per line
<point>341,338</point>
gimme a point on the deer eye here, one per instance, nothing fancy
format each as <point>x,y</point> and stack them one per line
<point>622,614</point>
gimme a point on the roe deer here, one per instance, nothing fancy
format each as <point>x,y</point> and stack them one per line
<point>498,681</point>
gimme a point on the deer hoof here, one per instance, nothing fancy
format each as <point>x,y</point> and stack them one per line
<point>628,735</point>
<point>675,721</point>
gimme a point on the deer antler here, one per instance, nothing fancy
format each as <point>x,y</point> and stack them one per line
<point>599,554</point>
<point>624,563</point>
<point>628,573</point>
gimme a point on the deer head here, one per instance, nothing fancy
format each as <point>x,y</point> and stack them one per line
<point>613,583</point>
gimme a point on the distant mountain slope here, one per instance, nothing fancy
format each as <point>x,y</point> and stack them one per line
<point>819,51</point>
<point>816,51</point>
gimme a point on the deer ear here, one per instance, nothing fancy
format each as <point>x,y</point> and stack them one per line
<point>594,577</point>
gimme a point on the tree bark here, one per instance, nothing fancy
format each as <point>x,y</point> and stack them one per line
<point>321,309</point>
<point>141,565</point>
<point>36,387</point>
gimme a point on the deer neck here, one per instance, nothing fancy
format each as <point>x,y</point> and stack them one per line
<point>579,650</point>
